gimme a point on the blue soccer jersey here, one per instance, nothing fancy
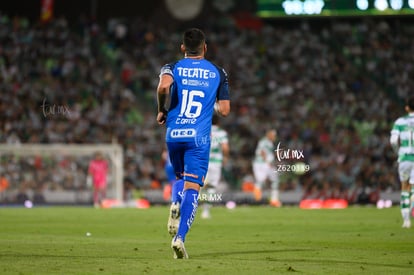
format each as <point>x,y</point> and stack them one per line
<point>197,85</point>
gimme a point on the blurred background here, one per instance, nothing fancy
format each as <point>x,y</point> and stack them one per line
<point>330,76</point>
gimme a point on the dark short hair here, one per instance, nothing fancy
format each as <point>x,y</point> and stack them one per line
<point>410,103</point>
<point>193,40</point>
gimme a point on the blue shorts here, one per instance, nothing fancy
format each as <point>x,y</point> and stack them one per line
<point>190,160</point>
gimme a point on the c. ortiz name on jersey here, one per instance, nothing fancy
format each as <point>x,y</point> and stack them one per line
<point>183,120</point>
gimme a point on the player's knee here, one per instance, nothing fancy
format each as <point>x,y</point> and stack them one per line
<point>191,185</point>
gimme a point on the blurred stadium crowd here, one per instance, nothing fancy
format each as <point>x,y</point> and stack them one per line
<point>331,89</point>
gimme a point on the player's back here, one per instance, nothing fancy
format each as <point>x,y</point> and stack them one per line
<point>404,128</point>
<point>193,94</point>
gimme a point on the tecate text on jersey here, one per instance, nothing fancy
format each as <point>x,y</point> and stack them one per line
<point>195,73</point>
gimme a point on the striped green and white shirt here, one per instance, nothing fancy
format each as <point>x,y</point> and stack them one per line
<point>218,137</point>
<point>402,136</point>
<point>268,147</point>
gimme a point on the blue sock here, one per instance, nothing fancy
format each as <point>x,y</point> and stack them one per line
<point>188,212</point>
<point>177,191</point>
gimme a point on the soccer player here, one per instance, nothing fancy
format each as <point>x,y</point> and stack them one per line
<point>402,140</point>
<point>98,170</point>
<point>196,88</point>
<point>219,153</point>
<point>264,168</point>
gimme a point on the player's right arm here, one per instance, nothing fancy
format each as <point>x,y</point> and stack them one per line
<point>394,140</point>
<point>222,105</point>
<point>263,155</point>
<point>163,89</point>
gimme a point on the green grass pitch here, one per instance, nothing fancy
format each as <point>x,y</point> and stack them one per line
<point>246,240</point>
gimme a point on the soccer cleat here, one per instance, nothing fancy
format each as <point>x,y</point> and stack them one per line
<point>406,224</point>
<point>178,248</point>
<point>205,214</point>
<point>174,219</point>
<point>257,192</point>
<point>275,203</point>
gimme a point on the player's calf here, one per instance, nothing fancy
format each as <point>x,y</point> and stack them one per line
<point>173,219</point>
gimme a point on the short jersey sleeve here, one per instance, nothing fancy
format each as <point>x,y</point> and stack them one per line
<point>167,69</point>
<point>223,90</point>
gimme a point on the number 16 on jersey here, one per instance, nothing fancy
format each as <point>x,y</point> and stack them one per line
<point>190,107</point>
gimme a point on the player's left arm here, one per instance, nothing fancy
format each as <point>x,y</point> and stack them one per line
<point>107,167</point>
